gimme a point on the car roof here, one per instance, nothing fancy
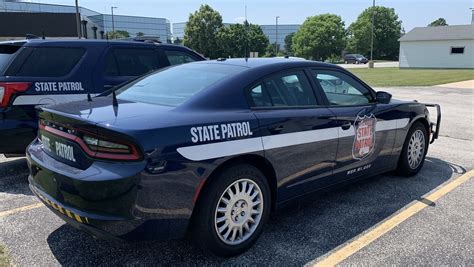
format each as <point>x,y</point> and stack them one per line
<point>87,42</point>
<point>285,62</point>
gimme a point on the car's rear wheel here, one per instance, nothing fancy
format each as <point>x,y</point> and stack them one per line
<point>414,150</point>
<point>232,211</point>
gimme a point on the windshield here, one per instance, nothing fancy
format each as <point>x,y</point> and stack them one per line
<point>359,56</point>
<point>175,85</point>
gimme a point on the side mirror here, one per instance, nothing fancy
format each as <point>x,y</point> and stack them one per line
<point>383,97</point>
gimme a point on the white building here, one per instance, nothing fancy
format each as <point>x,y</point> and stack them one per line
<point>438,47</point>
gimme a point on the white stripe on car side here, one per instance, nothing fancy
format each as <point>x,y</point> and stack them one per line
<point>221,149</point>
<point>235,147</point>
<point>48,99</point>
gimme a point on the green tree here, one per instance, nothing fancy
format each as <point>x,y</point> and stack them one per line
<point>438,22</point>
<point>387,31</point>
<point>238,40</point>
<point>320,37</point>
<point>201,31</point>
<point>289,43</point>
<point>139,34</point>
<point>118,34</point>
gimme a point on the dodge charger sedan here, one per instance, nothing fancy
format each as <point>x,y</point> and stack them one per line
<point>212,148</point>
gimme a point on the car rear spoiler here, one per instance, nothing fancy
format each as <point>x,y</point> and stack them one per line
<point>434,127</point>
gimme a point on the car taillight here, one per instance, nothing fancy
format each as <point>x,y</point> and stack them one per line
<point>7,90</point>
<point>97,146</point>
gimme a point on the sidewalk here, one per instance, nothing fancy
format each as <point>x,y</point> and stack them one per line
<point>459,85</point>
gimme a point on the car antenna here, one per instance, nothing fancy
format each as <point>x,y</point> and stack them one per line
<point>89,98</point>
<point>114,100</point>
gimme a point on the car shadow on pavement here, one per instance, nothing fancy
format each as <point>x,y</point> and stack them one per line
<point>14,177</point>
<point>300,233</point>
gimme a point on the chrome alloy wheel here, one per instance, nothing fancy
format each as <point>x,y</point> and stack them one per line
<point>416,149</point>
<point>238,212</point>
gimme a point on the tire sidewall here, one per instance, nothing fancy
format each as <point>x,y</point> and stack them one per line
<point>403,164</point>
<point>208,237</point>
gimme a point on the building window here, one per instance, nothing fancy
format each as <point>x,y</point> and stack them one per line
<point>457,50</point>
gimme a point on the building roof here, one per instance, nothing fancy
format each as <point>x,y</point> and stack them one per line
<point>437,33</point>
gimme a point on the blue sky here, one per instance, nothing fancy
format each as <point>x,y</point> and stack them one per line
<point>413,13</point>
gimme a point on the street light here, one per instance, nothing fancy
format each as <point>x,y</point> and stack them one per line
<point>276,35</point>
<point>112,11</point>
<point>78,21</point>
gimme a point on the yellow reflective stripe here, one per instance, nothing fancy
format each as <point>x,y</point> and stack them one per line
<point>78,218</point>
<point>69,214</point>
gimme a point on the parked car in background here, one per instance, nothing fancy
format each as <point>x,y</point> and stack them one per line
<point>214,147</point>
<point>38,72</point>
<point>355,59</point>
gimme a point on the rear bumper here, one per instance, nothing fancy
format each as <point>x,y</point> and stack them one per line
<point>108,200</point>
<point>18,127</point>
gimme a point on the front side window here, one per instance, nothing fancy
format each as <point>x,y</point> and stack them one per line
<point>284,90</point>
<point>49,61</point>
<point>173,86</point>
<point>178,57</point>
<point>342,90</point>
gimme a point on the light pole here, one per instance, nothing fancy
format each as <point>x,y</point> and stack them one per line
<point>78,21</point>
<point>472,18</point>
<point>113,24</point>
<point>276,35</point>
<point>372,38</point>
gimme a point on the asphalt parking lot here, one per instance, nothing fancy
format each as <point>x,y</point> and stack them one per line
<point>442,233</point>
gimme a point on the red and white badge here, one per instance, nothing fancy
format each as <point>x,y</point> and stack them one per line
<point>364,140</point>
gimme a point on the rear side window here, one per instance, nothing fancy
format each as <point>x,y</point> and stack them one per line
<point>49,61</point>
<point>130,62</point>
<point>284,90</point>
<point>7,52</point>
<point>178,57</point>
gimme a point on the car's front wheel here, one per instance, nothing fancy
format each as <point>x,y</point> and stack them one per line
<point>232,211</point>
<point>414,150</point>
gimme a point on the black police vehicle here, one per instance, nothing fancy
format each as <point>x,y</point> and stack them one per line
<point>214,146</point>
<point>38,72</point>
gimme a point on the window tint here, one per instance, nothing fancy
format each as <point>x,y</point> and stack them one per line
<point>457,50</point>
<point>7,52</point>
<point>111,68</point>
<point>50,61</point>
<point>260,97</point>
<point>173,86</point>
<point>284,90</point>
<point>178,57</point>
<point>133,62</point>
<point>341,89</point>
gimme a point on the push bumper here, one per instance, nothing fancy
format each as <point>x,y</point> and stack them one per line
<point>434,127</point>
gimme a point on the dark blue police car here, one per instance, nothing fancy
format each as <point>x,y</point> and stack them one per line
<point>37,72</point>
<point>213,147</point>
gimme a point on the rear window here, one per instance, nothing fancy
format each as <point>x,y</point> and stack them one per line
<point>7,51</point>
<point>47,61</point>
<point>173,86</point>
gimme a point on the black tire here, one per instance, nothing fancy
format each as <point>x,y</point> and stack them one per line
<point>204,228</point>
<point>403,162</point>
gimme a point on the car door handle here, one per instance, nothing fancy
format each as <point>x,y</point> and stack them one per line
<point>346,126</point>
<point>276,129</point>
